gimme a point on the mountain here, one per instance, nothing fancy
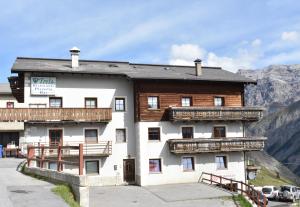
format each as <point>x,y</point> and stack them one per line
<point>277,86</point>
<point>283,131</point>
<point>277,89</point>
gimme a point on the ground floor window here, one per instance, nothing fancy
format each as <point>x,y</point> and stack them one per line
<point>188,163</point>
<point>52,165</point>
<point>154,165</point>
<point>221,162</point>
<point>92,167</point>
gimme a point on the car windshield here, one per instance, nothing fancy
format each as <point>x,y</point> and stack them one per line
<point>267,190</point>
<point>285,188</point>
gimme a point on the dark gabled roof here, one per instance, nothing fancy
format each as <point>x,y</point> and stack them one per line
<point>131,70</point>
<point>5,88</point>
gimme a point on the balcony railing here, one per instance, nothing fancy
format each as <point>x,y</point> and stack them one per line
<point>202,145</point>
<point>69,149</point>
<point>56,114</point>
<point>215,113</point>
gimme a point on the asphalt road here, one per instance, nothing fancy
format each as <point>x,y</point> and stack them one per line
<point>18,190</point>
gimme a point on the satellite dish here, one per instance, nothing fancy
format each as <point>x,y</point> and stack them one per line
<point>251,175</point>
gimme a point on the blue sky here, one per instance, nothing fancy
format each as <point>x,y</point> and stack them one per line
<point>229,33</point>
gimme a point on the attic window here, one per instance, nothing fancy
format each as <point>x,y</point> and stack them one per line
<point>113,65</point>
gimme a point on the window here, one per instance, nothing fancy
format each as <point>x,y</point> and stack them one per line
<point>91,136</point>
<point>187,132</point>
<point>10,105</point>
<point>154,165</point>
<point>56,137</point>
<point>219,101</point>
<point>186,101</point>
<point>55,102</point>
<point>37,105</point>
<point>219,131</point>
<point>90,103</point>
<point>52,166</point>
<point>92,167</point>
<point>154,133</point>
<point>120,135</point>
<point>153,102</point>
<point>188,164</point>
<point>221,162</point>
<point>119,104</point>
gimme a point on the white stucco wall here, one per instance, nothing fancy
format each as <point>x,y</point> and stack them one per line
<point>73,89</point>
<point>172,169</point>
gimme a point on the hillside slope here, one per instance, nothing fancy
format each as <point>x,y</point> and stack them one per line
<point>283,131</point>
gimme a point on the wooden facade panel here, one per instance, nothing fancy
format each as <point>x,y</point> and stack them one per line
<point>170,94</point>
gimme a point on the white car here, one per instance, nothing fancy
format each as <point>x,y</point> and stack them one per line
<point>288,192</point>
<point>271,192</point>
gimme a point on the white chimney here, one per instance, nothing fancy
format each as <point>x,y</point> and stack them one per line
<point>198,67</point>
<point>75,57</point>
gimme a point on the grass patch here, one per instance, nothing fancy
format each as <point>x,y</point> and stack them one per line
<point>65,192</point>
<point>266,177</point>
<point>241,201</point>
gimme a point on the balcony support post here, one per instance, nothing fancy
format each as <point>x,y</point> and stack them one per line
<point>80,159</point>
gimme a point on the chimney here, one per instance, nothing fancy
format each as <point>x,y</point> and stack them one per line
<point>198,67</point>
<point>75,57</point>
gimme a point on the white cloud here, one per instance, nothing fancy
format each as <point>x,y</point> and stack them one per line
<point>185,54</point>
<point>243,58</point>
<point>290,36</point>
<point>256,43</point>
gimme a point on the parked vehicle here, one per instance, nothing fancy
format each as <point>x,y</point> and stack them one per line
<point>288,192</point>
<point>271,192</point>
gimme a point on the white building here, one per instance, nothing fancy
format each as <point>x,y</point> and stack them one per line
<point>148,124</point>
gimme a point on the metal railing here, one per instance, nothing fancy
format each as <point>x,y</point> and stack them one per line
<point>235,186</point>
<point>215,113</point>
<point>201,145</point>
<point>56,114</point>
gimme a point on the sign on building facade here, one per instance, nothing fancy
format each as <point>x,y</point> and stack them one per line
<point>43,85</point>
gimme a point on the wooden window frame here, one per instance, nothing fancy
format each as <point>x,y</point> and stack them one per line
<point>219,126</point>
<point>98,167</point>
<point>189,97</point>
<point>125,104</point>
<point>85,135</point>
<point>181,128</point>
<point>159,134</point>
<point>160,166</point>
<point>223,101</point>
<point>225,163</point>
<point>158,103</point>
<point>91,98</point>
<point>54,97</point>
<point>193,164</point>
<point>61,138</point>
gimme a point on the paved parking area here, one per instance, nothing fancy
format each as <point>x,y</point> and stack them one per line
<point>18,190</point>
<point>281,204</point>
<point>175,195</point>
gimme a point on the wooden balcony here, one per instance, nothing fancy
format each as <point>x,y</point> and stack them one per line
<point>56,114</point>
<point>202,145</point>
<point>215,113</point>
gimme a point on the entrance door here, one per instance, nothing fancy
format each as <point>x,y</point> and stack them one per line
<point>9,138</point>
<point>55,137</point>
<point>129,170</point>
